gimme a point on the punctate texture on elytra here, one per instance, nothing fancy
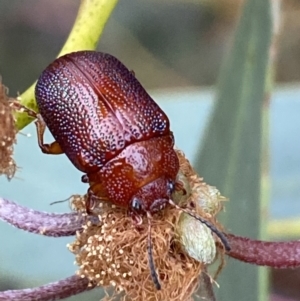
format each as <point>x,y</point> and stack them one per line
<point>109,127</point>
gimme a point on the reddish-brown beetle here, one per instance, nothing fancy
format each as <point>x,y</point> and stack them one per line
<point>113,131</point>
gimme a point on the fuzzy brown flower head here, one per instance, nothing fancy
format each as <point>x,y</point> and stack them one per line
<point>113,253</point>
<point>7,135</point>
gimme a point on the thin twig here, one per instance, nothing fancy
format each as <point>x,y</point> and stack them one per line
<point>48,224</point>
<point>53,291</point>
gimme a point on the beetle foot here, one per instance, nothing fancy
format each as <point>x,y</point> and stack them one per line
<point>179,186</point>
<point>16,105</point>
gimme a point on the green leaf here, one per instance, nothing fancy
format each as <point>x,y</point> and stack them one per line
<point>231,156</point>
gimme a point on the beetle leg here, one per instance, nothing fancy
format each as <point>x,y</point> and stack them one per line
<point>179,186</point>
<point>95,194</point>
<point>21,108</point>
<point>90,202</point>
<point>52,148</point>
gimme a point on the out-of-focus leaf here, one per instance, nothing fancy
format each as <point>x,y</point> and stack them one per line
<point>89,24</point>
<point>232,149</point>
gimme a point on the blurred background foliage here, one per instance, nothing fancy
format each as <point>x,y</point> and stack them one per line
<point>170,45</point>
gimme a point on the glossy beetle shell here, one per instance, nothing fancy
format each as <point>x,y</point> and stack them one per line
<point>109,127</point>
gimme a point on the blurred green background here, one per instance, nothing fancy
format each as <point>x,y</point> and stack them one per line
<point>176,49</point>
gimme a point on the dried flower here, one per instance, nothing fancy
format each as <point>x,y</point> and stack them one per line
<point>113,253</point>
<point>7,134</point>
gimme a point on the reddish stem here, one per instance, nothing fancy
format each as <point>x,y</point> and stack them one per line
<point>49,224</point>
<point>272,254</point>
<point>265,253</point>
<point>49,292</point>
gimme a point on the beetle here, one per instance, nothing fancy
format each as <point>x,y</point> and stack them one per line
<point>113,131</point>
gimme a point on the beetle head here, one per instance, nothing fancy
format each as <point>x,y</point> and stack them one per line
<point>152,197</point>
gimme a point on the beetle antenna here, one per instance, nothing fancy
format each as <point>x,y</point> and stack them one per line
<point>61,201</point>
<point>153,273</point>
<point>221,235</point>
